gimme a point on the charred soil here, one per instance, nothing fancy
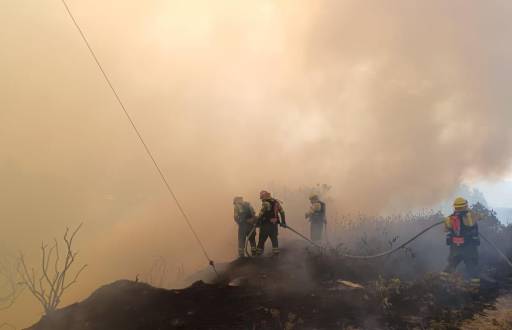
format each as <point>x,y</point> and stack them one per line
<point>301,289</point>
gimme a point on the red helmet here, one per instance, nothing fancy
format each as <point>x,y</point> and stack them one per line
<point>264,194</point>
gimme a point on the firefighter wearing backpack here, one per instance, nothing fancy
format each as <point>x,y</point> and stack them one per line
<point>244,218</point>
<point>463,239</point>
<point>270,217</point>
<point>317,218</point>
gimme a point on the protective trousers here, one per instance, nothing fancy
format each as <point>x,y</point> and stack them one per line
<point>268,230</point>
<point>467,253</point>
<point>317,230</point>
<point>245,229</point>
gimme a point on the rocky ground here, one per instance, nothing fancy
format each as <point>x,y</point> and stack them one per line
<point>301,289</point>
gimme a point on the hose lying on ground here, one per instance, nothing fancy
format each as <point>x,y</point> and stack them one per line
<point>389,252</point>
<point>383,254</point>
<point>401,246</point>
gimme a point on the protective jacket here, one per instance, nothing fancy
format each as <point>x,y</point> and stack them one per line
<point>462,229</point>
<point>271,209</point>
<point>243,212</point>
<point>317,212</point>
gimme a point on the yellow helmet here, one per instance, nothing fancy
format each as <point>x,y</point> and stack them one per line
<point>460,204</point>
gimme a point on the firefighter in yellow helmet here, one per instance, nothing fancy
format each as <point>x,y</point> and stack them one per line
<point>244,217</point>
<point>463,238</point>
<point>270,217</point>
<point>317,217</point>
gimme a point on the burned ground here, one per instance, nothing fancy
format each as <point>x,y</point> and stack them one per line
<point>298,290</point>
<point>308,288</point>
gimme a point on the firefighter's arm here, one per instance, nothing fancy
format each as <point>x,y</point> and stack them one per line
<point>235,214</point>
<point>253,219</point>
<point>313,209</point>
<point>251,210</point>
<point>447,224</point>
<point>282,215</point>
<point>265,206</point>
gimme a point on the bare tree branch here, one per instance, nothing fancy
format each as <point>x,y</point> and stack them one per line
<point>51,283</point>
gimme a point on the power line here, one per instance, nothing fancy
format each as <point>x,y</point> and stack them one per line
<point>148,151</point>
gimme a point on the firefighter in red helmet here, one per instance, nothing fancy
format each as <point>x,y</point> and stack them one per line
<point>270,217</point>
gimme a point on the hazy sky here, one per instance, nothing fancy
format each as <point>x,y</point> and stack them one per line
<point>393,104</point>
<point>498,194</point>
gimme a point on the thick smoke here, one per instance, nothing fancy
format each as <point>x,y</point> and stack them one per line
<point>394,105</point>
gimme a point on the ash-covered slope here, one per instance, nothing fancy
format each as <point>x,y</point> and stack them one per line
<point>298,290</point>
<point>130,305</point>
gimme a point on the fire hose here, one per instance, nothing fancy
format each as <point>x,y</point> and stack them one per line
<point>287,227</point>
<point>385,253</point>
<point>401,246</point>
<point>501,254</point>
<point>247,239</point>
<point>304,237</point>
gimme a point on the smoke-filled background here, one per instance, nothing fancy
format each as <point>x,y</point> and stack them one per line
<point>392,104</point>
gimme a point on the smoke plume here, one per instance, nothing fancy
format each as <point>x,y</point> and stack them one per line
<point>392,104</point>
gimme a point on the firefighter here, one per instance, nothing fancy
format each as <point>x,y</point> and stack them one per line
<point>463,239</point>
<point>270,217</point>
<point>317,218</point>
<point>245,219</point>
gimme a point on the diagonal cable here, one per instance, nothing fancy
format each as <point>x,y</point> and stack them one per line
<point>139,135</point>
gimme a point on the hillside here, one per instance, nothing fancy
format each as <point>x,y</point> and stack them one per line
<point>302,289</point>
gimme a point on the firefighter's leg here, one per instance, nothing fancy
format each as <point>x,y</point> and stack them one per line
<point>453,259</point>
<point>471,262</point>
<point>241,240</point>
<point>316,231</point>
<point>273,233</point>
<point>262,239</point>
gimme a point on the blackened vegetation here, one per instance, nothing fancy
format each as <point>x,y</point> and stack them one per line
<point>303,289</point>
